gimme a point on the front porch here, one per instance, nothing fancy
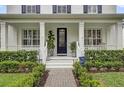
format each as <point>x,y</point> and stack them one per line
<point>89,35</point>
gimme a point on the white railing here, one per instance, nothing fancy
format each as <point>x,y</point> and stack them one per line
<point>43,53</point>
<point>79,50</point>
<point>22,47</point>
<point>100,47</point>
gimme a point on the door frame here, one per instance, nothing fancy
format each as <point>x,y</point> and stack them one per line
<point>65,40</point>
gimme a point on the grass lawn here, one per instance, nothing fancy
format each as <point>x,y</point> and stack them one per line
<point>110,79</point>
<point>6,78</point>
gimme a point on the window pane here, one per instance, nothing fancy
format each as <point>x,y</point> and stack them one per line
<point>28,9</point>
<point>94,33</point>
<point>59,9</point>
<point>64,9</point>
<point>24,42</point>
<point>33,9</point>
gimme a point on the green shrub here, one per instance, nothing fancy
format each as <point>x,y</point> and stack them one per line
<point>78,69</point>
<point>85,79</point>
<point>104,55</point>
<point>32,79</point>
<point>106,64</point>
<point>18,56</point>
<point>14,66</point>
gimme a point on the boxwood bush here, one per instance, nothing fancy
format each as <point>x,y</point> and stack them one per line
<point>104,55</point>
<point>107,64</point>
<point>32,79</point>
<point>16,67</point>
<point>85,79</point>
<point>20,56</point>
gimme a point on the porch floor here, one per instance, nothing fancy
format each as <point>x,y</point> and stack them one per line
<point>62,57</point>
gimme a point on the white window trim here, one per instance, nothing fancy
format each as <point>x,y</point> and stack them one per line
<point>92,38</point>
<point>28,45</point>
<point>92,12</point>
<point>31,9</point>
<point>61,9</point>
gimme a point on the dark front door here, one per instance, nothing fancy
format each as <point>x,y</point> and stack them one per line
<point>61,40</point>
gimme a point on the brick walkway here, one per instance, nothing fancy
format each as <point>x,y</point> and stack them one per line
<point>60,78</point>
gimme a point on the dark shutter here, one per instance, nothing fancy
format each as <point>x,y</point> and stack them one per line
<point>38,9</point>
<point>85,8</point>
<point>23,8</point>
<point>99,8</point>
<point>54,8</point>
<point>68,8</point>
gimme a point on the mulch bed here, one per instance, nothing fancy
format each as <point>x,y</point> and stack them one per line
<point>76,80</point>
<point>43,79</point>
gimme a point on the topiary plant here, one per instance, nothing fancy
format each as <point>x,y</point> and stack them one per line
<point>50,43</point>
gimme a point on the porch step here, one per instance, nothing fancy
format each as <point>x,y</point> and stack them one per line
<point>62,58</point>
<point>60,62</point>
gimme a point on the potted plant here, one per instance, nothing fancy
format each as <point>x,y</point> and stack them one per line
<point>73,48</point>
<point>50,43</point>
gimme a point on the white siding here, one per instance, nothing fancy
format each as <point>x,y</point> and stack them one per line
<point>47,9</point>
<point>77,9</point>
<point>13,9</point>
<point>109,9</point>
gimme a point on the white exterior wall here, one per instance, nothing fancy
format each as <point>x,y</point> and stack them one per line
<point>12,38</point>
<point>13,9</point>
<point>47,9</point>
<point>77,9</point>
<point>72,33</point>
<point>109,9</point>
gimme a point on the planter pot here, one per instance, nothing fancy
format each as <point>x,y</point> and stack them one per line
<point>73,54</point>
<point>121,69</point>
<point>50,52</point>
<point>93,69</point>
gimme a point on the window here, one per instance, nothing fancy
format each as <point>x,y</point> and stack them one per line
<point>92,9</point>
<point>61,8</point>
<point>30,9</point>
<point>92,37</point>
<point>30,37</point>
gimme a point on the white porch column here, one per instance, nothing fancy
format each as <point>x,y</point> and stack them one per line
<point>3,36</point>
<point>119,35</point>
<point>123,33</point>
<point>112,36</point>
<point>42,40</point>
<point>81,37</point>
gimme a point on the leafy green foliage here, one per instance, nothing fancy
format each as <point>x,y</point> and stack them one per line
<point>104,55</point>
<point>107,64</point>
<point>18,56</point>
<point>31,79</point>
<point>14,66</point>
<point>50,40</point>
<point>73,47</point>
<point>84,77</point>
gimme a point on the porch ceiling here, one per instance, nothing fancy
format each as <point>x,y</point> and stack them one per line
<point>62,16</point>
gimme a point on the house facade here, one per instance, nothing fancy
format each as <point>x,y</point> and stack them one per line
<point>92,27</point>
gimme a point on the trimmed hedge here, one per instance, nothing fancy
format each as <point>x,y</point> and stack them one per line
<point>85,79</point>
<point>32,79</point>
<point>20,56</point>
<point>16,67</point>
<point>104,55</point>
<point>109,65</point>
